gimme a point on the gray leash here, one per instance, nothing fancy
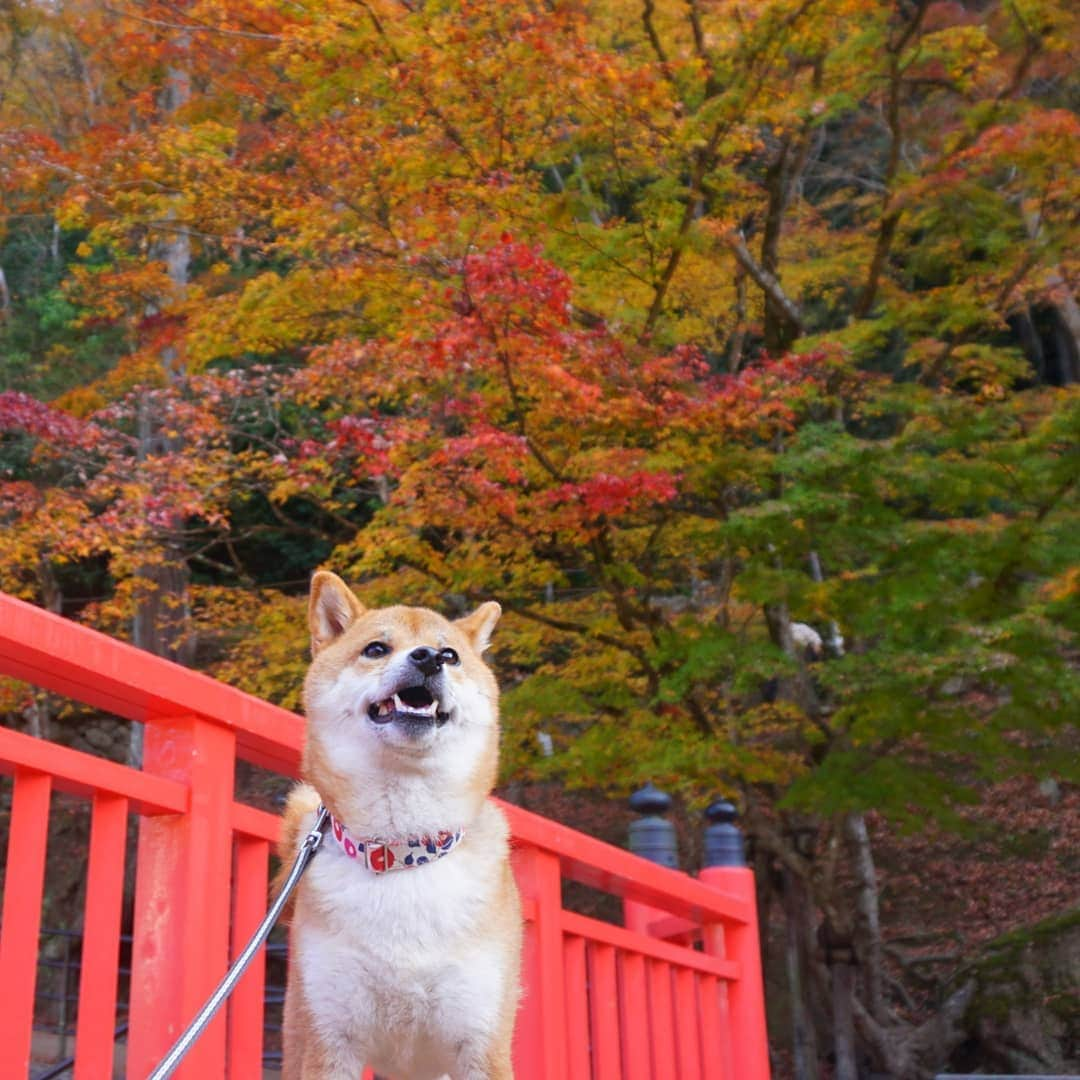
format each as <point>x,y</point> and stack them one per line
<point>225,987</point>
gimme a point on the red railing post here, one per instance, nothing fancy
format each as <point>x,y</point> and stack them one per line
<point>539,1038</point>
<point>746,996</point>
<point>182,898</point>
<point>727,873</point>
<point>24,880</point>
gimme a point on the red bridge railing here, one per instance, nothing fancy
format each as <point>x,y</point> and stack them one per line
<point>674,993</point>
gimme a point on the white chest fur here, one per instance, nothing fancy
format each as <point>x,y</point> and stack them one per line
<point>399,970</point>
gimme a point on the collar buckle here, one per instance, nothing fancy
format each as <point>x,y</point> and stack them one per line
<point>380,857</point>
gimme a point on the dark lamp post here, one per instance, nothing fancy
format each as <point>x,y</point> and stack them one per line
<point>723,838</point>
<point>652,836</point>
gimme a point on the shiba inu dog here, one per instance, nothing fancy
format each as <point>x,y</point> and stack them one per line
<point>406,929</point>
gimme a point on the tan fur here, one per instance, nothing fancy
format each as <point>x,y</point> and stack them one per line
<point>417,969</point>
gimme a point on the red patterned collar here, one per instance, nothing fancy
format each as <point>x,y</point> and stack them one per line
<point>379,856</point>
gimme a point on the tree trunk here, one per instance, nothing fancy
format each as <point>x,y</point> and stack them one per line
<point>777,322</point>
<point>910,1052</point>
<point>835,639</point>
<point>162,613</point>
<point>783,323</point>
<point>1024,327</point>
<point>738,335</point>
<point>1068,314</point>
<point>868,928</point>
<point>1063,301</point>
<point>890,213</point>
<point>803,1037</point>
<point>843,1004</point>
<point>799,688</point>
<point>767,282</point>
<point>39,714</point>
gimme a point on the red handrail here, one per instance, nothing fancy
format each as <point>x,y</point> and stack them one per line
<point>600,1001</point>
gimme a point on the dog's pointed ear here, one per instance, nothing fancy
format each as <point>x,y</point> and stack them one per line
<point>332,609</point>
<point>478,626</point>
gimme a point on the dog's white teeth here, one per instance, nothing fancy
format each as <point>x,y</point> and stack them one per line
<point>387,707</point>
<point>416,710</point>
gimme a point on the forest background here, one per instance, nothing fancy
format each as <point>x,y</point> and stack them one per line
<point>670,324</point>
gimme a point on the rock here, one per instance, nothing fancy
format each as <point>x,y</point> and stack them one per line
<point>1025,1015</point>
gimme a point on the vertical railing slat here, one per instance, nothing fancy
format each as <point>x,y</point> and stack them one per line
<point>252,861</point>
<point>604,1012</point>
<point>94,1039</point>
<point>577,1008</point>
<point>712,1014</point>
<point>687,1029</point>
<point>661,1021</point>
<point>634,1016</point>
<point>24,878</point>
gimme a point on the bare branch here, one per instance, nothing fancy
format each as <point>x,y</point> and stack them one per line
<point>766,281</point>
<point>192,28</point>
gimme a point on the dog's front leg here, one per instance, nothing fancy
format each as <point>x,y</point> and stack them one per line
<point>306,1057</point>
<point>494,1065</point>
<point>501,1071</point>
<point>321,1063</point>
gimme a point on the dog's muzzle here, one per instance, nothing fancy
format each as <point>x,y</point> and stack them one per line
<point>416,703</point>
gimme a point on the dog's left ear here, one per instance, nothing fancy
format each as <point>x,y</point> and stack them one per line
<point>478,626</point>
<point>332,608</point>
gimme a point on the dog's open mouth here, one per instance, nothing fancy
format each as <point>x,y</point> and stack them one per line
<point>412,703</point>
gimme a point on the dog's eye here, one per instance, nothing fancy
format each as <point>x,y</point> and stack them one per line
<point>375,650</point>
<point>448,656</point>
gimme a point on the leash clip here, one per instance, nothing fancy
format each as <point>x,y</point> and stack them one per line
<point>318,830</point>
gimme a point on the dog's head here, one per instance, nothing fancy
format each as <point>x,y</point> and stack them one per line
<point>399,690</point>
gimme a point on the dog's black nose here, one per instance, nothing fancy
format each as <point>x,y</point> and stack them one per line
<point>427,660</point>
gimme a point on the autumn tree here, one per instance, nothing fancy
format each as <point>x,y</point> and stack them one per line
<point>672,325</point>
<point>644,520</point>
